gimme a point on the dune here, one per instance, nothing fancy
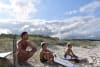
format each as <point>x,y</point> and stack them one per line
<point>92,55</point>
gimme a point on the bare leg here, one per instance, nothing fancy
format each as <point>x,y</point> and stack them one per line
<point>30,54</point>
<point>49,57</point>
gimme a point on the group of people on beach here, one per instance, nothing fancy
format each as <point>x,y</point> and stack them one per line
<point>45,54</point>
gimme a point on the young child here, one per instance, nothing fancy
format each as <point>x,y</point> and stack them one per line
<point>70,55</point>
<point>45,54</point>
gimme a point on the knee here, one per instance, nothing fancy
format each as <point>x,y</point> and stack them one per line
<point>34,50</point>
<point>30,54</point>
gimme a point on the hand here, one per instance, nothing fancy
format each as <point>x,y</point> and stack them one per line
<point>22,51</point>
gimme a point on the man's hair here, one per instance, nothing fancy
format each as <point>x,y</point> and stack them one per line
<point>23,33</point>
<point>69,45</point>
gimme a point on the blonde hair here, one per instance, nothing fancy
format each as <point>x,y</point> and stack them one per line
<point>69,44</point>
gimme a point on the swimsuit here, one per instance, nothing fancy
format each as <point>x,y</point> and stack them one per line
<point>43,60</point>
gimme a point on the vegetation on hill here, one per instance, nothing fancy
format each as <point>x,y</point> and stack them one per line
<point>6,41</point>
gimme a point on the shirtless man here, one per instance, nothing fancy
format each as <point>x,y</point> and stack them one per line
<point>69,54</point>
<point>45,54</point>
<point>22,54</point>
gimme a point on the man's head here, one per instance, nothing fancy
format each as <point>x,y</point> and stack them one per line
<point>44,45</point>
<point>24,35</point>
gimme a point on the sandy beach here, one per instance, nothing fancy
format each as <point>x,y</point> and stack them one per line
<point>89,56</point>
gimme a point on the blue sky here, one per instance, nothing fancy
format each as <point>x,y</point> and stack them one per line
<point>56,18</point>
<point>56,9</point>
<point>49,9</point>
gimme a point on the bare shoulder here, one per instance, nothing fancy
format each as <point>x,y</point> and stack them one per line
<point>41,50</point>
<point>18,41</point>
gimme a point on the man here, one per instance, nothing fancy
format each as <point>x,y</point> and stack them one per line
<point>22,54</point>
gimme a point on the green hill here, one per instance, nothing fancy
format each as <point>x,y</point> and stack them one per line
<point>6,41</point>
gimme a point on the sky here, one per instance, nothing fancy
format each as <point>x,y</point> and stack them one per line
<point>57,18</point>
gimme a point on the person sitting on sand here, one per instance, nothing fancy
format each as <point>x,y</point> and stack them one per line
<point>22,54</point>
<point>70,55</point>
<point>45,54</point>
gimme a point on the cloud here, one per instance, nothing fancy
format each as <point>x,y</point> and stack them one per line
<point>4,6</point>
<point>71,12</point>
<point>88,8</point>
<point>24,27</point>
<point>19,9</point>
<point>4,31</point>
<point>75,27</point>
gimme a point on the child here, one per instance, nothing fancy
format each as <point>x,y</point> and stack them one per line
<point>70,55</point>
<point>45,54</point>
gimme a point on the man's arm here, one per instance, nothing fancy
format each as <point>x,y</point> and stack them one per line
<point>19,47</point>
<point>31,46</point>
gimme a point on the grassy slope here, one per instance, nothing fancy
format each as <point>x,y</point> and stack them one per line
<point>6,41</point>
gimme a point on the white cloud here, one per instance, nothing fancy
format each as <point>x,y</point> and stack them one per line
<point>5,31</point>
<point>71,12</point>
<point>24,27</point>
<point>91,7</point>
<point>19,9</point>
<point>84,28</point>
<point>4,6</point>
<point>88,8</point>
<point>75,27</point>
